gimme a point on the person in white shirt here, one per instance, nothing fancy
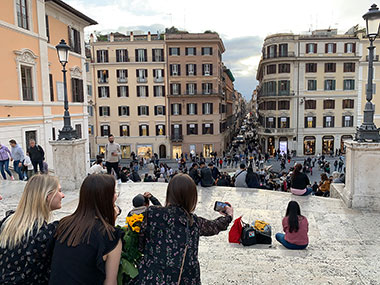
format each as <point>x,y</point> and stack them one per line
<point>97,168</point>
<point>29,166</point>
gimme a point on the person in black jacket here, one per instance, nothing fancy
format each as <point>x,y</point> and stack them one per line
<point>37,155</point>
<point>252,178</point>
<point>214,170</point>
<point>194,174</point>
<point>206,176</point>
<point>299,182</point>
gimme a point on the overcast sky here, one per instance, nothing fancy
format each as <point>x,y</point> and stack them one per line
<point>242,24</point>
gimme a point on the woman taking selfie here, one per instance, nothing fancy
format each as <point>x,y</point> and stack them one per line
<point>295,227</point>
<point>26,238</point>
<point>88,246</point>
<point>170,236</point>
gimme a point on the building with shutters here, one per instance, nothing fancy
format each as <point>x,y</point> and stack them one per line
<point>197,98</point>
<point>129,93</point>
<point>31,101</point>
<point>308,91</point>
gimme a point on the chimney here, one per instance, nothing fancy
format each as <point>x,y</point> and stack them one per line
<point>149,37</point>
<point>131,36</point>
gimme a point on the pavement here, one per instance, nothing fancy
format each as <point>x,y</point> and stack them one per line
<point>344,246</point>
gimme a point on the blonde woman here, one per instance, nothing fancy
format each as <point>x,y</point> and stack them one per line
<point>26,238</point>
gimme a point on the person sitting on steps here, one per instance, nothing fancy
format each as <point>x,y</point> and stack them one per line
<point>299,182</point>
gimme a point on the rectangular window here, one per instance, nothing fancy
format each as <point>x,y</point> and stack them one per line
<point>122,75</point>
<point>142,75</point>
<point>27,83</point>
<point>207,51</point>
<point>77,90</point>
<point>349,84</point>
<point>102,76</point>
<point>78,130</point>
<point>272,51</point>
<point>207,88</point>
<point>192,109</point>
<point>191,88</point>
<point>311,67</point>
<point>141,55</point>
<point>175,69</point>
<point>143,130</point>
<point>104,111</point>
<point>207,108</point>
<point>283,50</point>
<point>123,110</point>
<point>312,85</point>
<point>142,91</point>
<point>51,86</point>
<point>310,122</point>
<point>311,104</point>
<point>207,69</point>
<point>158,75</point>
<point>284,87</point>
<point>191,69</point>
<point>160,130</point>
<point>22,14</point>
<point>122,55</point>
<point>284,105</point>
<point>349,67</point>
<point>159,110</point>
<point>105,130</point>
<point>89,90</point>
<point>90,111</point>
<point>53,133</point>
<point>190,51</point>
<point>158,55</point>
<point>348,103</point>
<point>350,47</point>
<point>330,84</point>
<point>124,131</point>
<point>192,129</point>
<point>174,51</point>
<point>47,28</point>
<point>74,40</point>
<point>270,105</point>
<point>175,89</point>
<point>158,91</point>
<point>270,122</point>
<point>176,109</point>
<point>102,56</point>
<point>330,67</point>
<point>328,121</point>
<point>284,68</point>
<point>271,69</point>
<point>103,92</point>
<point>90,129</point>
<point>143,110</point>
<point>329,104</point>
<point>347,121</point>
<point>207,129</point>
<point>330,48</point>
<point>283,122</point>
<point>311,48</point>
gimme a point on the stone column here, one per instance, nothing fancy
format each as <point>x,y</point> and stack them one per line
<point>70,164</point>
<point>362,176</point>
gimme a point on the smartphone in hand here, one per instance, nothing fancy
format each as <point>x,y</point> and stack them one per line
<point>219,206</point>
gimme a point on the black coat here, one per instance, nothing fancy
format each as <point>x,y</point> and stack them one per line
<point>36,153</point>
<point>252,179</point>
<point>206,177</point>
<point>195,175</point>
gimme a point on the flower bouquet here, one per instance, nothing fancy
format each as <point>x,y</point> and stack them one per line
<point>130,255</point>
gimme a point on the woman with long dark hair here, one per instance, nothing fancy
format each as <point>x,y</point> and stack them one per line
<point>88,246</point>
<point>299,182</point>
<point>170,236</point>
<point>295,227</point>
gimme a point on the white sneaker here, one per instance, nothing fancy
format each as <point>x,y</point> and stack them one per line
<point>119,181</point>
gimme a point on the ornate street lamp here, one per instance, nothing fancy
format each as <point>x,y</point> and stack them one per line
<point>368,130</point>
<point>67,132</point>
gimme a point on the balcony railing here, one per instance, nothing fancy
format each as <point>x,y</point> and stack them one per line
<point>158,79</point>
<point>276,94</point>
<point>275,131</point>
<point>27,93</point>
<point>122,80</point>
<point>197,94</point>
<point>142,80</point>
<point>102,80</point>
<point>280,55</point>
<point>176,138</point>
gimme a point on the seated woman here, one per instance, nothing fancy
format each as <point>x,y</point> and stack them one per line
<point>295,227</point>
<point>88,246</point>
<point>299,182</point>
<point>252,179</point>
<point>324,186</point>
<point>170,236</point>
<point>26,238</point>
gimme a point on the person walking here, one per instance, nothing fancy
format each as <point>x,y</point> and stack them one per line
<point>112,156</point>
<point>295,227</point>
<point>17,157</point>
<point>169,236</point>
<point>340,165</point>
<point>5,154</point>
<point>37,155</point>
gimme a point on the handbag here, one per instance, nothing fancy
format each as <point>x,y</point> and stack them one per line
<point>263,232</point>
<point>248,235</point>
<point>234,235</point>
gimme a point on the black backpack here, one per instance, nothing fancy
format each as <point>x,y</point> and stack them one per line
<point>248,235</point>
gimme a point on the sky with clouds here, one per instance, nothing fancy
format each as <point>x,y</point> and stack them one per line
<point>242,24</point>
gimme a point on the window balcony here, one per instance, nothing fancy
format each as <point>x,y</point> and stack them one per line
<point>102,80</point>
<point>158,79</point>
<point>279,55</point>
<point>176,138</point>
<point>122,80</point>
<point>142,80</point>
<point>276,94</point>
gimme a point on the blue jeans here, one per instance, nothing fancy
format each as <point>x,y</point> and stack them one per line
<point>4,164</point>
<point>18,169</point>
<point>308,191</point>
<point>281,239</point>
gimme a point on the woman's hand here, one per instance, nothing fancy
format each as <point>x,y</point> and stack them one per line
<point>228,210</point>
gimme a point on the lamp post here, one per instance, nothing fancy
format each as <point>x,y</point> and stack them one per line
<point>67,132</point>
<point>368,130</point>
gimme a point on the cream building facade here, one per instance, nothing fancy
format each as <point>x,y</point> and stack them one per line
<point>129,93</point>
<point>308,91</point>
<point>31,101</point>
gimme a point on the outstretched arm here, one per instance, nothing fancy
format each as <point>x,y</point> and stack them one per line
<point>213,227</point>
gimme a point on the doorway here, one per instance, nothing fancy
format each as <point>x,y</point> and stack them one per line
<point>162,151</point>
